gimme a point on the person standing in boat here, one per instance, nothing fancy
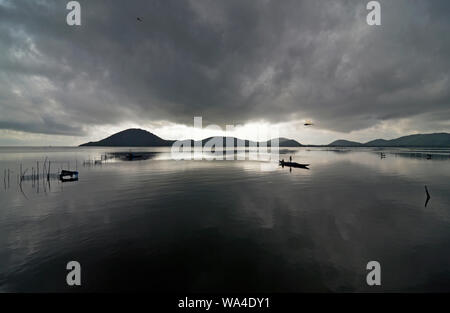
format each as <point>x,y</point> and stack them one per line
<point>290,158</point>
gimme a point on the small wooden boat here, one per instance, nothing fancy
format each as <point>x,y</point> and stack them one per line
<point>66,176</point>
<point>293,164</point>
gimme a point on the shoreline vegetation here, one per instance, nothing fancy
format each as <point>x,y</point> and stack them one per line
<point>134,137</point>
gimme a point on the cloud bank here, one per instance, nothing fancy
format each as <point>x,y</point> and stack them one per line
<point>231,62</point>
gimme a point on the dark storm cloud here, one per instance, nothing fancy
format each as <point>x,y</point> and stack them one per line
<point>228,61</point>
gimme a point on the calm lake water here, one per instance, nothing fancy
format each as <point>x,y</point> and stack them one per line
<point>204,226</point>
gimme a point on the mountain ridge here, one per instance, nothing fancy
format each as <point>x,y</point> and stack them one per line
<point>415,140</point>
<point>345,143</point>
<point>136,137</point>
<point>132,137</point>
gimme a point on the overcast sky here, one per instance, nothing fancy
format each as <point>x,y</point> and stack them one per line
<point>246,62</point>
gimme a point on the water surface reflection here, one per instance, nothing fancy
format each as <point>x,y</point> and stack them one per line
<point>166,225</point>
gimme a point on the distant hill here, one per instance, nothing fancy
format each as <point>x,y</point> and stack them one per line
<point>419,140</point>
<point>285,142</point>
<point>131,138</point>
<point>141,138</point>
<point>377,143</point>
<point>345,143</point>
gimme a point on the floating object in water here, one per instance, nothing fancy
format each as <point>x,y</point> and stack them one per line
<point>428,196</point>
<point>132,156</point>
<point>66,176</point>
<point>293,164</point>
<point>308,123</point>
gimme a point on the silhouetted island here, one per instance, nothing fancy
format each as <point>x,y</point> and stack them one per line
<point>418,140</point>
<point>141,138</point>
<point>131,138</point>
<point>345,143</point>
